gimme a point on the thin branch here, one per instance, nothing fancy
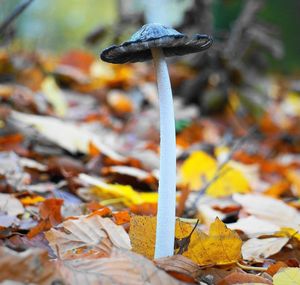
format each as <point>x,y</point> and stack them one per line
<point>15,13</point>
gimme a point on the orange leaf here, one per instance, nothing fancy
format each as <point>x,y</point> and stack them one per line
<point>273,268</point>
<point>278,188</point>
<point>121,217</point>
<point>50,209</point>
<point>43,225</point>
<point>101,212</point>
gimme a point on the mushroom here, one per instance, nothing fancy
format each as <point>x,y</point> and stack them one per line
<point>155,41</point>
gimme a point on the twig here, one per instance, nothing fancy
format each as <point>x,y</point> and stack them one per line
<point>16,12</point>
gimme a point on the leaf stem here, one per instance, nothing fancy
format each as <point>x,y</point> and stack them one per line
<point>247,267</point>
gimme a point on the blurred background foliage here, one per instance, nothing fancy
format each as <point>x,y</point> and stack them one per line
<point>61,25</point>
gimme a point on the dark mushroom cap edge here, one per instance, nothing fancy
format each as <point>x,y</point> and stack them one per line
<point>140,50</point>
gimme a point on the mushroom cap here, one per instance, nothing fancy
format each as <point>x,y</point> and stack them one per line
<point>153,35</point>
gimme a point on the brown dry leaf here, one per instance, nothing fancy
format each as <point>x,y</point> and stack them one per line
<point>122,267</point>
<point>179,263</point>
<point>92,236</point>
<point>242,278</point>
<point>30,266</point>
<point>221,246</point>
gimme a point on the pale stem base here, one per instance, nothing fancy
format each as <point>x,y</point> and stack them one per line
<point>165,229</point>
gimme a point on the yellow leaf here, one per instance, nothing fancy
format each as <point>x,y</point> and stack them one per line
<point>288,232</point>
<point>125,193</point>
<point>287,276</point>
<point>54,96</point>
<point>294,178</point>
<point>221,246</point>
<point>32,200</point>
<point>201,168</point>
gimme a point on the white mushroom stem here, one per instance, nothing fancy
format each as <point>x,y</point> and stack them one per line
<point>165,229</point>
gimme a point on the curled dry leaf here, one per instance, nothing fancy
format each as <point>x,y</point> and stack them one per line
<point>31,266</point>
<point>257,249</point>
<point>93,235</point>
<point>122,267</point>
<point>220,246</point>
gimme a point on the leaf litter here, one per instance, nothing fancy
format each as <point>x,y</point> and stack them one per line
<point>79,164</point>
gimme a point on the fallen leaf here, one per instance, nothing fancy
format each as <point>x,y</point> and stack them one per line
<point>287,276</point>
<point>51,209</point>
<point>50,214</point>
<point>10,205</point>
<point>243,278</point>
<point>124,192</point>
<point>122,267</point>
<point>221,246</point>
<point>258,249</point>
<point>119,102</point>
<point>72,137</point>
<point>121,217</point>
<point>253,226</point>
<point>32,266</point>
<point>179,263</point>
<point>274,268</point>
<point>93,235</point>
<point>31,200</point>
<point>55,96</point>
<point>269,209</point>
<point>200,168</point>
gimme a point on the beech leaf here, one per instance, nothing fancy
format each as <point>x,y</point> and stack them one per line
<point>95,234</point>
<point>220,246</point>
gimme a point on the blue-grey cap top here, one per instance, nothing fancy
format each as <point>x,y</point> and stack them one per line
<point>138,48</point>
